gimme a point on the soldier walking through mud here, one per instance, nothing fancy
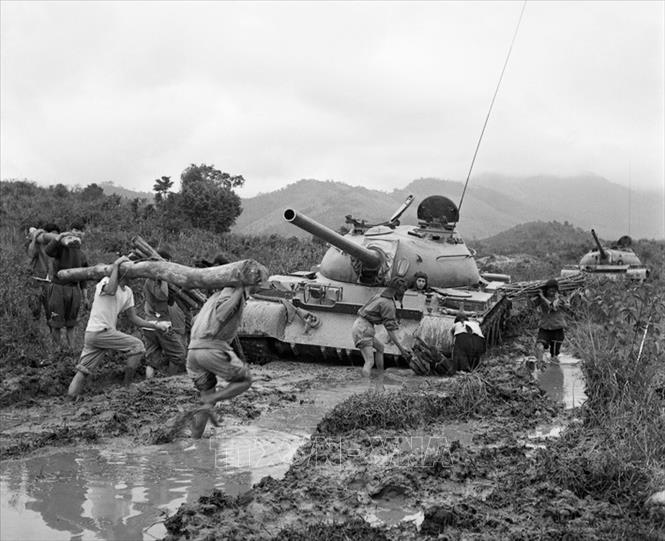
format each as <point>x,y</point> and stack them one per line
<point>113,296</point>
<point>379,310</point>
<point>552,320</point>
<point>163,346</point>
<point>210,354</point>
<point>65,297</point>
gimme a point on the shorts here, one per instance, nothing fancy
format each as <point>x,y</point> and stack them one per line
<point>64,302</point>
<point>204,365</point>
<point>164,345</point>
<point>551,339</point>
<point>96,344</point>
<point>364,335</point>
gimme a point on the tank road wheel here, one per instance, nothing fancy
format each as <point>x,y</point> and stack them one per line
<point>259,350</point>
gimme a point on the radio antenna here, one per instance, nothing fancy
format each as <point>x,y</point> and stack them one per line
<point>510,49</point>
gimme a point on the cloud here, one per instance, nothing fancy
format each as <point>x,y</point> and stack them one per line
<point>366,93</point>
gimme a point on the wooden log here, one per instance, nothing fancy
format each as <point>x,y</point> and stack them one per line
<point>239,273</point>
<point>42,237</point>
<point>194,299</point>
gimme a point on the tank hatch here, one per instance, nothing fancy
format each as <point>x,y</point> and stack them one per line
<point>437,211</point>
<point>378,230</point>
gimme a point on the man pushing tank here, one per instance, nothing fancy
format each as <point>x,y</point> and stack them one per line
<point>379,310</point>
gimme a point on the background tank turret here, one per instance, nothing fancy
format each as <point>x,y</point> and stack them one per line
<point>615,262</point>
<point>310,313</point>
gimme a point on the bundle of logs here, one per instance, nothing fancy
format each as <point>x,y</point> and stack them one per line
<point>525,290</point>
<point>190,298</point>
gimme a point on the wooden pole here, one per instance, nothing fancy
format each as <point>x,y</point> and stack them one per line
<point>193,299</point>
<point>239,273</point>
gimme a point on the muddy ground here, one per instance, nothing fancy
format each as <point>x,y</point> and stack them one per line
<point>147,412</point>
<point>438,458</point>
<point>455,458</point>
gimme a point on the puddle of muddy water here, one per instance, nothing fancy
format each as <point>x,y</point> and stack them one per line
<point>121,491</point>
<point>563,381</point>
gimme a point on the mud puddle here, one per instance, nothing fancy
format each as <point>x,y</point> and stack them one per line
<point>563,381</point>
<point>121,491</point>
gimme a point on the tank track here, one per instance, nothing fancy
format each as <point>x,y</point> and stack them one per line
<point>264,350</point>
<point>258,350</point>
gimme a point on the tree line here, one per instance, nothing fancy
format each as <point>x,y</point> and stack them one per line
<point>206,200</point>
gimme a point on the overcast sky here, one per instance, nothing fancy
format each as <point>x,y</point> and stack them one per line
<point>374,94</point>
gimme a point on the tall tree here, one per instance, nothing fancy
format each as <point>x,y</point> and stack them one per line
<point>161,188</point>
<point>207,198</point>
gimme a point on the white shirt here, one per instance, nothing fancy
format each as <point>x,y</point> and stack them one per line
<point>460,327</point>
<point>106,308</point>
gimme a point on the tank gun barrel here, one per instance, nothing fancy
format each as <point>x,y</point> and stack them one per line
<point>370,258</point>
<point>603,253</point>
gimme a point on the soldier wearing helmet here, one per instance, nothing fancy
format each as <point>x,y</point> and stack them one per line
<point>420,282</point>
<point>379,310</point>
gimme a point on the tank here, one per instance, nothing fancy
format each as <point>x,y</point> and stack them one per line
<point>309,313</point>
<point>618,261</point>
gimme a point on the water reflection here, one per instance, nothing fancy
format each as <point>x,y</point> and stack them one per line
<point>120,491</point>
<point>111,495</point>
<point>563,382</point>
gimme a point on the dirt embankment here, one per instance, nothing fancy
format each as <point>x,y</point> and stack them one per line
<point>371,471</point>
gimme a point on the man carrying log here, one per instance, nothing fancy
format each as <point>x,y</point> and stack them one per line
<point>41,269</point>
<point>65,297</point>
<point>170,345</point>
<point>112,297</point>
<point>210,354</point>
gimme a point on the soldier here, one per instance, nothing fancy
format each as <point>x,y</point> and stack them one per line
<point>468,343</point>
<point>159,305</point>
<point>379,310</point>
<point>420,282</point>
<point>112,297</point>
<point>64,297</point>
<point>552,320</point>
<point>41,268</point>
<point>210,354</point>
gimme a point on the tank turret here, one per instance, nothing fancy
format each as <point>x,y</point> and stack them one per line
<point>372,254</point>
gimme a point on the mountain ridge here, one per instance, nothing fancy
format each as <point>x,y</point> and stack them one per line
<point>492,204</point>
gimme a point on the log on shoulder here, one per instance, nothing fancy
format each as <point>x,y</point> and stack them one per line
<point>41,236</point>
<point>239,273</point>
<point>191,298</point>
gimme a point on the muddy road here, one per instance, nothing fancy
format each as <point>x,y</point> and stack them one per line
<point>310,451</point>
